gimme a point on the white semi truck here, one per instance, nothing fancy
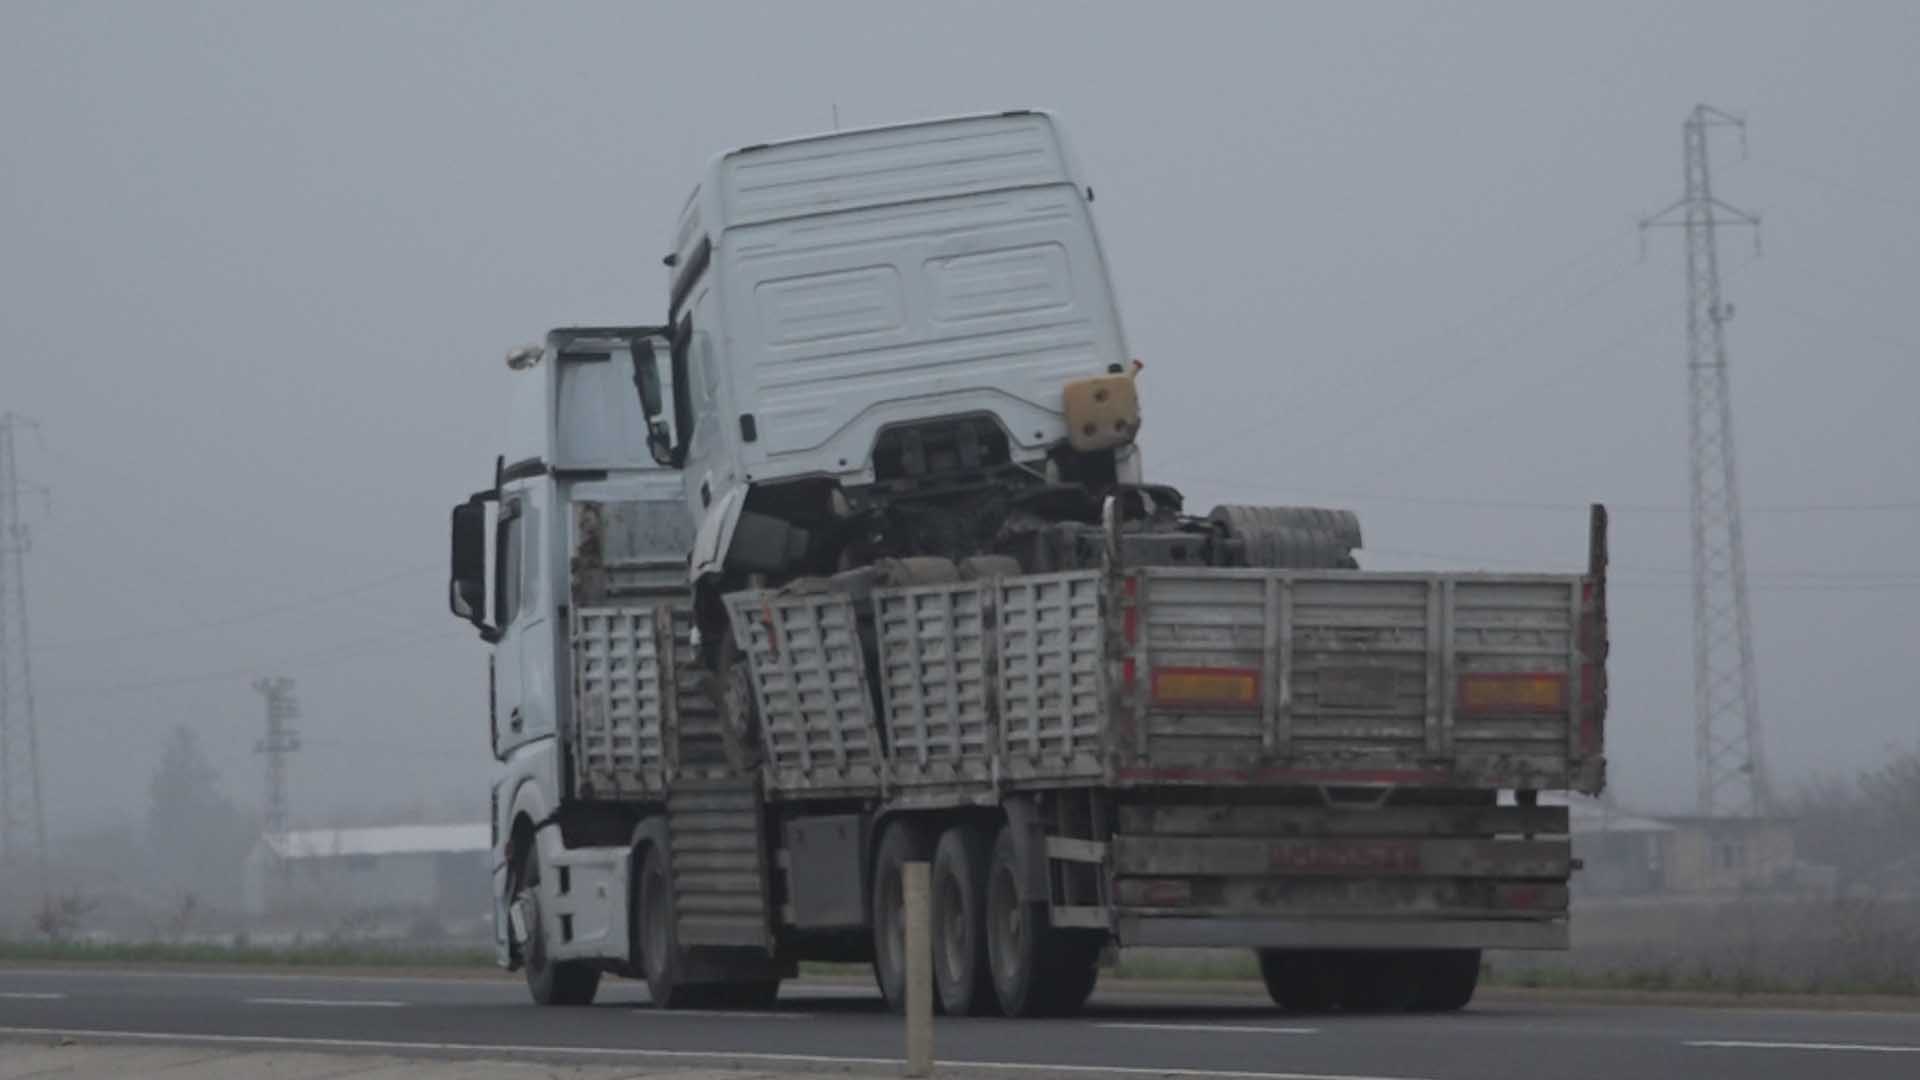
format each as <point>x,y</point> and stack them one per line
<point>850,561</point>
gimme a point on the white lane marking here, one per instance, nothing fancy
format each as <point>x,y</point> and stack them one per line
<point>829,990</point>
<point>30,995</point>
<point>486,978</point>
<point>1237,1028</point>
<point>328,1003</point>
<point>673,1055</point>
<point>1747,1044</point>
<point>728,1014</point>
<point>491,978</point>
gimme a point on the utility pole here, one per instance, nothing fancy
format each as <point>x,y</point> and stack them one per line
<point>23,822</point>
<point>1729,761</point>
<point>280,741</point>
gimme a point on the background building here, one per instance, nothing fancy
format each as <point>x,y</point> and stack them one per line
<point>394,869</point>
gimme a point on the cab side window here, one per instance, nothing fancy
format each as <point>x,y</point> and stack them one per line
<point>683,381</point>
<point>509,561</point>
<point>529,523</point>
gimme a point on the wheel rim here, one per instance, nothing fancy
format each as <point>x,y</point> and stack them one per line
<point>1008,920</point>
<point>953,925</point>
<point>529,895</point>
<point>892,927</point>
<point>658,939</point>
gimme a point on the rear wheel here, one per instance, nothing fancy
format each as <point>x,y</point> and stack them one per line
<point>1302,980</point>
<point>1448,979</point>
<point>902,843</point>
<point>1037,970</point>
<point>752,994</point>
<point>549,981</point>
<point>1383,981</point>
<point>961,972</point>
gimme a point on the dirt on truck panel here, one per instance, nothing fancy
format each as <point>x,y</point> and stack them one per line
<point>846,558</point>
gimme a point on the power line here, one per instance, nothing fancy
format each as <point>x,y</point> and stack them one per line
<point>1778,581</point>
<point>1486,315</point>
<point>1842,186</point>
<point>23,821</point>
<point>308,659</point>
<point>1897,506</point>
<point>280,741</point>
<point>253,615</point>
<point>1730,755</point>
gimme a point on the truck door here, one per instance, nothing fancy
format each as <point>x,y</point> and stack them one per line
<point>523,657</point>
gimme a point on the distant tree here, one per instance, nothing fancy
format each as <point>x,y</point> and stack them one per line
<point>59,918</point>
<point>196,838</point>
<point>1866,828</point>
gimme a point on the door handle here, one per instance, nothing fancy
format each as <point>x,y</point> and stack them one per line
<point>514,720</point>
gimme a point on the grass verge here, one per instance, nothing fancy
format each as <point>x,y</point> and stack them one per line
<point>1702,979</point>
<point>317,955</point>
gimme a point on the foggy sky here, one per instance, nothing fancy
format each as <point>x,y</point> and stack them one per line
<point>259,264</point>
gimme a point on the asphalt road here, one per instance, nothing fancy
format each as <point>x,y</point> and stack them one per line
<point>842,1027</point>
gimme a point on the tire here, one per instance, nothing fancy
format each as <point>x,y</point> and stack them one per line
<point>1037,970</point>
<point>756,994</point>
<point>654,930</point>
<point>1382,981</point>
<point>549,982</point>
<point>1302,980</point>
<point>1078,971</point>
<point>902,843</point>
<point>1292,537</point>
<point>1448,979</point>
<point>962,974</point>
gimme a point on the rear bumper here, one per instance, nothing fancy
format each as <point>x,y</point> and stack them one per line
<point>1255,932</point>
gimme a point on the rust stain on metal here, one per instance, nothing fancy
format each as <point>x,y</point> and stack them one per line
<point>1384,857</point>
<point>589,572</point>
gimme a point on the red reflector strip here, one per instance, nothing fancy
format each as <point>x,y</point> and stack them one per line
<point>1165,893</point>
<point>1206,688</point>
<point>1523,897</point>
<point>1513,693</point>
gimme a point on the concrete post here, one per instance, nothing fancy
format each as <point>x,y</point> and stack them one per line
<point>919,969</point>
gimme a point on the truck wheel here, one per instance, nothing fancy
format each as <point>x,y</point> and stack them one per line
<point>1382,981</point>
<point>1037,970</point>
<point>902,843</point>
<point>659,947</point>
<point>549,981</point>
<point>1302,980</point>
<point>961,972</point>
<point>759,994</point>
<point>1078,967</point>
<point>1448,979</point>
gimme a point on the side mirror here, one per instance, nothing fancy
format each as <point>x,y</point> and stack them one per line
<point>467,580</point>
<point>646,381</point>
<point>646,378</point>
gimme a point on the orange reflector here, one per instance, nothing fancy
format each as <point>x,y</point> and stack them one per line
<point>1207,688</point>
<point>1513,693</point>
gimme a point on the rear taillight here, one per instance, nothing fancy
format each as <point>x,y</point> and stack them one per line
<point>1206,688</point>
<point>1513,692</point>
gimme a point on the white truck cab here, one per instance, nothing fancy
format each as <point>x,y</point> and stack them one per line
<point>838,303</point>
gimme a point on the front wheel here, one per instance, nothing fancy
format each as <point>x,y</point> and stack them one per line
<point>549,981</point>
